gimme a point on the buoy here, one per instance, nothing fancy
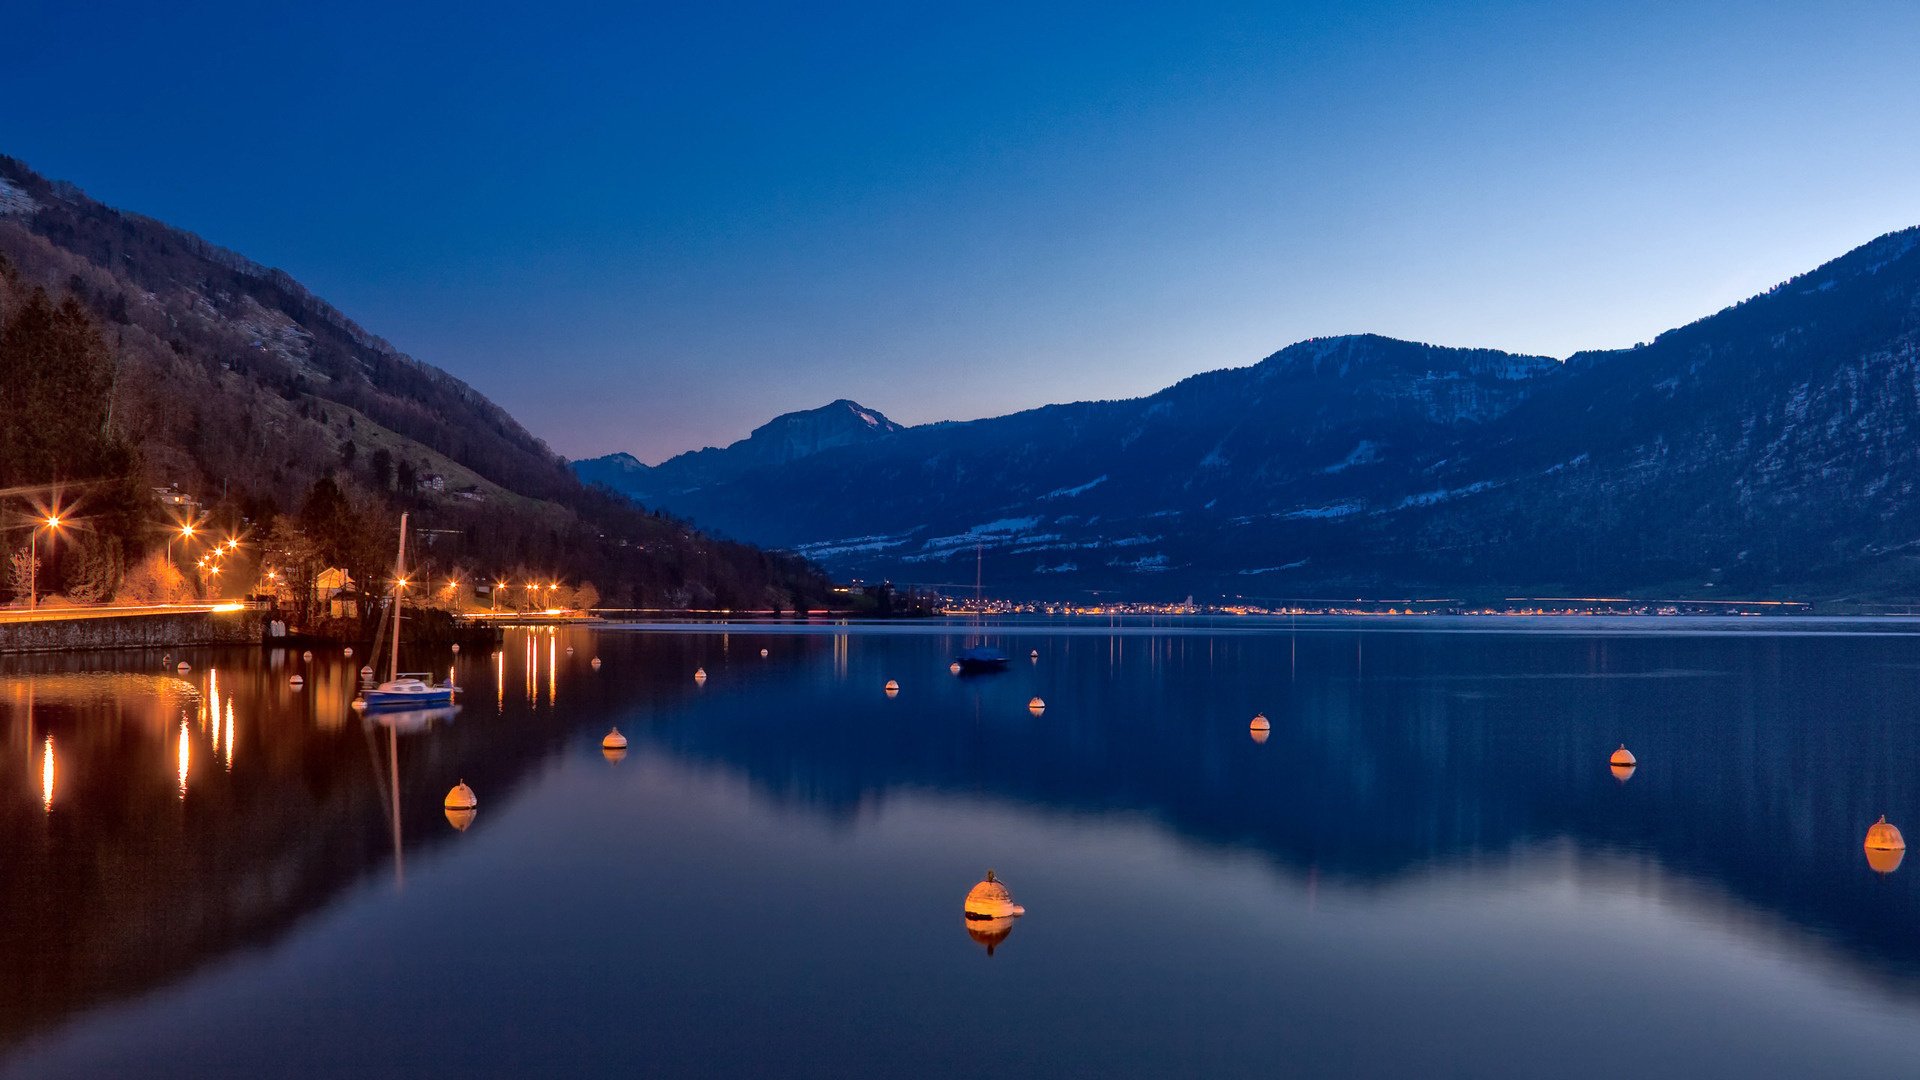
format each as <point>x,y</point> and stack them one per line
<point>569,650</point>
<point>183,668</point>
<point>461,818</point>
<point>1036,706</point>
<point>1034,655</point>
<point>347,652</point>
<point>367,672</point>
<point>991,900</point>
<point>595,662</point>
<point>763,652</point>
<point>296,682</point>
<point>892,688</point>
<point>456,650</point>
<point>699,674</point>
<point>1884,837</point>
<point>1260,723</point>
<point>954,667</point>
<point>308,655</point>
<point>167,659</point>
<point>462,798</point>
<point>1623,756</point>
<point>614,741</point>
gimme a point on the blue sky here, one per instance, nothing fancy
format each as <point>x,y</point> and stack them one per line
<point>652,228</point>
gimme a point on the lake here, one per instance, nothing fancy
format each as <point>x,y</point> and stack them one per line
<point>1426,868</point>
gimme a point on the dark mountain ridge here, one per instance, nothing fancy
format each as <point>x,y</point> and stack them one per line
<point>1772,445</point>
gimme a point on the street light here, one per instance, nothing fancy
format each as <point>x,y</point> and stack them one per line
<point>33,559</point>
<point>498,588</point>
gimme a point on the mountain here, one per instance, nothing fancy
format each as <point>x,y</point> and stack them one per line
<point>1773,445</point>
<point>235,386</point>
<point>780,441</point>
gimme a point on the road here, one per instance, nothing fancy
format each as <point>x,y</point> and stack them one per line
<point>66,614</point>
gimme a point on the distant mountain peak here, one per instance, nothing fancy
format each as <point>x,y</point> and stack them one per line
<point>782,440</point>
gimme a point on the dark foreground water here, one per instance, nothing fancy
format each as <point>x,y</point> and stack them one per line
<point>1427,869</point>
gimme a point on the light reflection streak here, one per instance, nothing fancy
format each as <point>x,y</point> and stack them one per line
<point>500,679</point>
<point>46,775</point>
<point>551,644</point>
<point>186,756</point>
<point>229,747</point>
<point>533,672</point>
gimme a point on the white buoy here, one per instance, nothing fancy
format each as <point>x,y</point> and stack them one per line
<point>296,682</point>
<point>1036,706</point>
<point>614,741</point>
<point>462,797</point>
<point>569,650</point>
<point>184,667</point>
<point>596,662</point>
<point>699,674</point>
<point>308,655</point>
<point>456,649</point>
<point>1260,722</point>
<point>954,667</point>
<point>367,672</point>
<point>1034,655</point>
<point>347,652</point>
<point>763,652</point>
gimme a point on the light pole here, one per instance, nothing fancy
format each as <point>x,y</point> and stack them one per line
<point>33,559</point>
<point>498,588</point>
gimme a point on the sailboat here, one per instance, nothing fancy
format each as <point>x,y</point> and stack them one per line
<point>404,690</point>
<point>983,657</point>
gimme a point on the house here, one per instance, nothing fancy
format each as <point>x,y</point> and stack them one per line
<point>337,594</point>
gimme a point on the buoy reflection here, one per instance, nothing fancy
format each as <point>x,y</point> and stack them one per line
<point>1622,773</point>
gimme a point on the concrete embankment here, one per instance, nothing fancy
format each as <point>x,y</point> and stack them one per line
<point>146,631</point>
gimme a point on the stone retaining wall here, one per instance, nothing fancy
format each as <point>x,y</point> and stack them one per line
<point>134,632</point>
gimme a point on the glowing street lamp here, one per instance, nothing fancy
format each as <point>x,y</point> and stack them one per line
<point>498,588</point>
<point>52,524</point>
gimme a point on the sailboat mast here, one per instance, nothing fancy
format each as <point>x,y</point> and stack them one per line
<point>399,586</point>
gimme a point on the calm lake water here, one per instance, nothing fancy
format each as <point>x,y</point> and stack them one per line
<point>1427,868</point>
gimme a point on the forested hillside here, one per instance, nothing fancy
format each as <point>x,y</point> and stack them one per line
<point>139,357</point>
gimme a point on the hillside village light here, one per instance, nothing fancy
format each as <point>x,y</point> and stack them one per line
<point>52,524</point>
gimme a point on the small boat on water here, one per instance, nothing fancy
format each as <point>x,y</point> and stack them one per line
<point>408,691</point>
<point>403,690</point>
<point>982,658</point>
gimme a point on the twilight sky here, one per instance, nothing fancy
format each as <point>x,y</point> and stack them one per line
<point>652,227</point>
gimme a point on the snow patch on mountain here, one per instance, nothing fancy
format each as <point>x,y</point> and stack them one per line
<point>15,200</point>
<point>1070,492</point>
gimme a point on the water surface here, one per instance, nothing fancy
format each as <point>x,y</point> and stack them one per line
<point>1426,869</point>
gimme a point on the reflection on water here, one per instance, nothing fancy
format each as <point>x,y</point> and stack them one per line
<point>1424,870</point>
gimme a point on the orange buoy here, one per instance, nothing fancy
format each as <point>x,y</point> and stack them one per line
<point>296,682</point>
<point>954,667</point>
<point>1260,723</point>
<point>1036,706</point>
<point>991,900</point>
<point>1884,837</point>
<point>763,652</point>
<point>614,741</point>
<point>699,674</point>
<point>462,798</point>
<point>347,652</point>
<point>1623,756</point>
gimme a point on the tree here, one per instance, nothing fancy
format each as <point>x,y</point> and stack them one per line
<point>155,580</point>
<point>381,462</point>
<point>21,567</point>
